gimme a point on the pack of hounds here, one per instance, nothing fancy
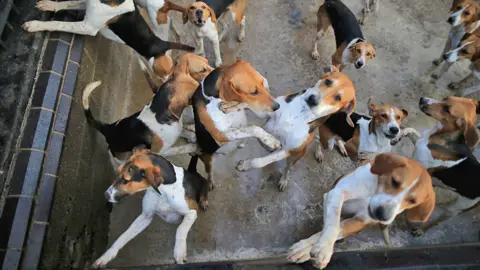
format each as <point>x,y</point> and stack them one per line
<point>381,187</point>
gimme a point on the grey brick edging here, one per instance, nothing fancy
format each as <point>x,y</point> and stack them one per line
<point>33,175</point>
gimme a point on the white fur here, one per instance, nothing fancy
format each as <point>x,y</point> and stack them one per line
<point>453,54</point>
<point>209,30</point>
<point>97,14</point>
<point>169,133</point>
<point>170,205</point>
<point>370,142</point>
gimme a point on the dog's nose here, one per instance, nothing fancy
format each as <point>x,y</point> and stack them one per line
<point>450,20</point>
<point>312,101</point>
<point>275,106</point>
<point>107,195</point>
<point>199,12</point>
<point>423,101</point>
<point>394,130</point>
<point>445,56</point>
<point>380,213</point>
<point>360,63</point>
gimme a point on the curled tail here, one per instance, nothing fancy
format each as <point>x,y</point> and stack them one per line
<point>100,126</point>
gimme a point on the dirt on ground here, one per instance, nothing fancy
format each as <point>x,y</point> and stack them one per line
<point>248,217</point>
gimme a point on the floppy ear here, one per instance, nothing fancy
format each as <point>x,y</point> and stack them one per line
<point>154,177</point>
<point>373,52</point>
<point>422,212</point>
<point>371,106</point>
<point>405,113</point>
<point>384,163</point>
<point>212,14</point>
<point>454,4</point>
<point>471,135</point>
<point>349,110</point>
<point>229,93</point>
<point>185,16</point>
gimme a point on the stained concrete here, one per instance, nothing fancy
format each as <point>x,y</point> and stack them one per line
<point>248,217</point>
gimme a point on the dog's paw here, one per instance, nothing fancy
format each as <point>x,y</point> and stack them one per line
<point>104,260</point>
<point>241,36</point>
<point>180,251</point>
<point>282,183</point>
<point>315,55</point>
<point>453,86</point>
<point>437,61</point>
<point>31,26</point>
<point>341,148</point>
<point>204,204</point>
<point>299,252</point>
<point>244,165</point>
<point>218,63</point>
<point>417,232</point>
<point>46,5</point>
<point>321,255</point>
<point>271,142</point>
<point>319,154</point>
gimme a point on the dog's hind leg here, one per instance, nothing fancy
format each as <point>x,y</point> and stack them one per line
<point>46,5</point>
<point>81,28</point>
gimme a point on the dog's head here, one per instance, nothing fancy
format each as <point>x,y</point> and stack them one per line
<point>361,52</point>
<point>454,114</point>
<point>386,118</point>
<point>403,184</point>
<point>332,93</point>
<point>463,11</point>
<point>195,66</point>
<point>162,66</point>
<point>468,48</point>
<point>141,171</point>
<point>198,13</point>
<point>242,83</point>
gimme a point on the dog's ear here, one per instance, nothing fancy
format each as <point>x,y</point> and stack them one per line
<point>330,68</point>
<point>371,106</point>
<point>154,177</point>
<point>349,110</point>
<point>212,14</point>
<point>454,5</point>
<point>471,135</point>
<point>384,163</point>
<point>405,113</point>
<point>422,212</point>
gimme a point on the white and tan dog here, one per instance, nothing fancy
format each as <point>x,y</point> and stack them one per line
<point>299,114</point>
<point>201,19</point>
<point>374,193</point>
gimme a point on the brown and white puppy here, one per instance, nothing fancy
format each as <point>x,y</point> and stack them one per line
<point>352,48</point>
<point>370,6</point>
<point>446,151</point>
<point>173,193</point>
<point>468,48</point>
<point>374,134</point>
<point>374,193</point>
<point>201,19</point>
<point>238,83</point>
<point>464,18</point>
<point>159,124</point>
<point>299,114</point>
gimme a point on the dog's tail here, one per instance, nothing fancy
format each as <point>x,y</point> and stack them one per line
<point>100,126</point>
<point>192,166</point>
<point>179,46</point>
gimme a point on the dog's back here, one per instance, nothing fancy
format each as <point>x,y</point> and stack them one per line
<point>343,22</point>
<point>463,177</point>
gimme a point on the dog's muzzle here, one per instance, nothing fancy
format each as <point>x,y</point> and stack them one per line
<point>451,20</point>
<point>199,18</point>
<point>359,64</point>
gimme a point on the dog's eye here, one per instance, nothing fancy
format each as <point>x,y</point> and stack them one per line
<point>466,13</point>
<point>192,8</point>
<point>368,54</point>
<point>459,7</point>
<point>204,7</point>
<point>464,50</point>
<point>255,93</point>
<point>203,70</point>
<point>384,115</point>
<point>398,117</point>
<point>395,183</point>
<point>446,109</point>
<point>143,174</point>
<point>338,98</point>
<point>359,51</point>
<point>328,82</point>
<point>412,201</point>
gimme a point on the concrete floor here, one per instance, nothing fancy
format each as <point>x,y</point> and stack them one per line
<point>248,217</point>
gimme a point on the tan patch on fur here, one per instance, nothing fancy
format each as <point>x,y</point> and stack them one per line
<point>162,14</point>
<point>192,204</point>
<point>207,122</point>
<point>241,82</point>
<point>183,87</point>
<point>189,14</point>
<point>157,143</point>
<point>337,57</point>
<point>360,49</point>
<point>297,153</point>
<point>238,7</point>
<point>470,14</point>
<point>194,65</point>
<point>352,226</point>
<point>323,21</point>
<point>163,65</point>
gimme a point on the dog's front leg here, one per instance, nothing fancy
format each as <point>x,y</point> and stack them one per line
<point>189,148</point>
<point>444,68</point>
<point>137,227</point>
<point>200,50</point>
<point>248,164</point>
<point>446,48</point>
<point>216,49</point>
<point>46,5</point>
<point>82,28</point>
<point>180,250</point>
<point>468,80</point>
<point>254,131</point>
<point>406,132</point>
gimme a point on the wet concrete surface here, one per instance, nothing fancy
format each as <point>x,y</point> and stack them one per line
<point>248,217</point>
